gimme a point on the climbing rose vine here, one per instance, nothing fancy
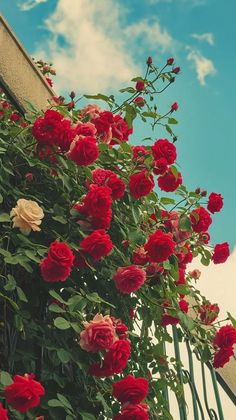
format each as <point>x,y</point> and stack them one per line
<point>97,231</point>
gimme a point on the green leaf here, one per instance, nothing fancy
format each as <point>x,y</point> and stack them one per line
<point>31,255</point>
<point>21,294</point>
<point>11,283</point>
<point>232,319</point>
<point>150,114</point>
<point>184,223</point>
<point>56,296</point>
<point>4,217</point>
<point>1,198</point>
<point>64,356</point>
<point>55,403</point>
<point>5,378</point>
<point>64,401</point>
<point>61,323</point>
<point>99,96</point>
<point>206,354</point>
<point>60,219</point>
<point>167,200</point>
<point>87,416</point>
<point>168,129</point>
<point>130,114</point>
<point>172,121</point>
<point>128,89</point>
<point>56,308</point>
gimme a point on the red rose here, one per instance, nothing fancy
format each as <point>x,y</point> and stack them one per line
<point>3,413</point>
<point>24,393</point>
<point>208,313</point>
<point>160,246</point>
<point>168,182</point>
<point>109,178</point>
<point>161,166</point>
<point>98,244</point>
<point>84,150</point>
<point>163,148</point>
<point>86,129</point>
<point>215,203</point>
<point>65,136</point>
<point>99,334</point>
<point>61,253</point>
<point>115,360</point>
<point>57,265</point>
<point>140,85</point>
<point>170,61</point>
<point>141,184</point>
<point>97,201</point>
<point>15,117</point>
<point>181,279</point>
<point>169,320</point>
<point>139,101</point>
<point>139,256</point>
<point>52,271</point>
<point>120,129</point>
<point>129,279</point>
<point>225,336</point>
<point>200,219</point>
<point>133,412</point>
<point>176,70</point>
<point>221,253</point>
<point>174,106</point>
<point>139,151</point>
<point>130,390</point>
<point>103,123</point>
<point>222,357</point>
<point>183,305</point>
<point>53,130</point>
<point>103,221</point>
<point>121,329</point>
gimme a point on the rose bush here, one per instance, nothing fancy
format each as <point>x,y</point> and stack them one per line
<point>94,258</point>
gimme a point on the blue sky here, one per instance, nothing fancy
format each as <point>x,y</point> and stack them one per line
<point>100,45</point>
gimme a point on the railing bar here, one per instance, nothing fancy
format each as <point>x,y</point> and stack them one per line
<point>194,390</point>
<point>217,395</point>
<point>165,391</point>
<point>209,411</point>
<point>191,373</point>
<point>180,400</point>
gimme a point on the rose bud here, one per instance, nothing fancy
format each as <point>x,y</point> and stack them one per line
<point>204,193</point>
<point>72,94</point>
<point>170,61</point>
<point>198,190</point>
<point>140,85</point>
<point>174,106</point>
<point>149,61</point>
<point>29,176</point>
<point>176,70</point>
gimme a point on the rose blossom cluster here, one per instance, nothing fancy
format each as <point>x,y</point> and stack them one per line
<point>130,392</point>
<point>58,263</point>
<point>224,341</point>
<point>105,333</point>
<point>23,394</point>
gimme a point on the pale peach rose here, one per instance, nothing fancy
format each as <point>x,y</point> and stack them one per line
<point>99,334</point>
<point>86,129</point>
<point>27,216</point>
<point>92,109</point>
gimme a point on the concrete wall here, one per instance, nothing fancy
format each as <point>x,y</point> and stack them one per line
<point>18,74</point>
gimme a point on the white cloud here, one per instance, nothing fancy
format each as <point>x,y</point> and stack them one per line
<point>25,6</point>
<point>203,66</point>
<point>154,34</point>
<point>208,37</point>
<point>91,47</point>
